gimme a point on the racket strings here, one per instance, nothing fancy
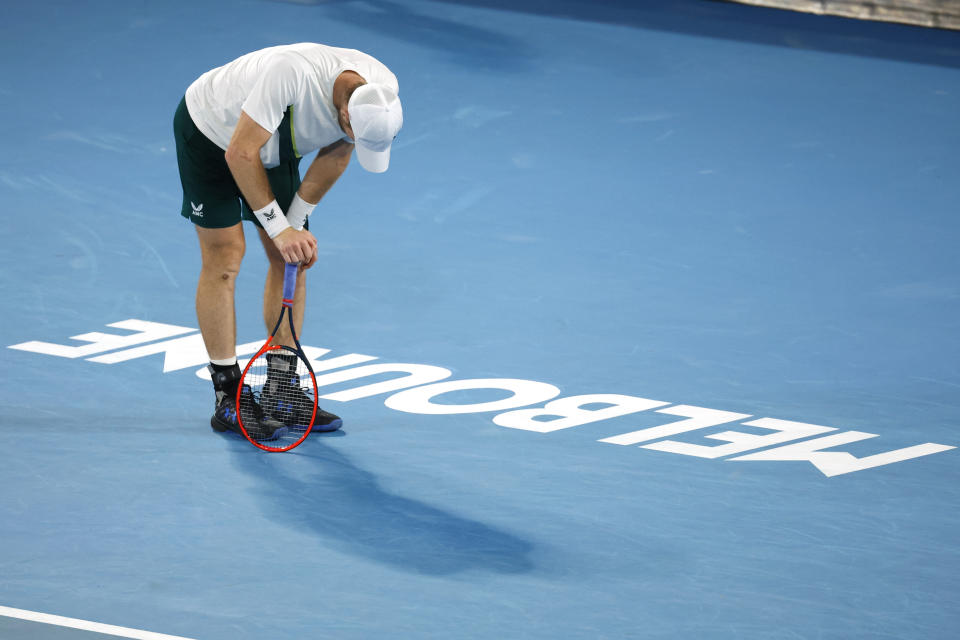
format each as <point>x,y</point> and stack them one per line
<point>278,401</point>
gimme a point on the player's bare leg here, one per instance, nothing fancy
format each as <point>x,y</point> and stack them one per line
<point>272,297</point>
<point>273,293</point>
<point>221,252</point>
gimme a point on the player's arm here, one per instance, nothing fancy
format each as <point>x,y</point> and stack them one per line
<point>243,158</point>
<point>324,171</point>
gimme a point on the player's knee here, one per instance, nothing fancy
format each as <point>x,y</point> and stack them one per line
<point>224,261</point>
<point>223,271</point>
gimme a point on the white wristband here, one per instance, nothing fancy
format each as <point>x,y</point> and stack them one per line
<point>272,219</point>
<point>298,212</point>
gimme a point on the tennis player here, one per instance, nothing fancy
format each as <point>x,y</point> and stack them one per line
<point>240,131</point>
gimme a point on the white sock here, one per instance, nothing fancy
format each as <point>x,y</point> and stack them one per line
<point>228,362</point>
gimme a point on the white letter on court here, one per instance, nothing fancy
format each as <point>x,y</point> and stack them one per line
<point>178,353</point>
<point>785,431</point>
<point>835,463</point>
<point>99,342</point>
<point>314,355</point>
<point>525,392</point>
<point>698,418</point>
<point>416,374</point>
<point>569,412</point>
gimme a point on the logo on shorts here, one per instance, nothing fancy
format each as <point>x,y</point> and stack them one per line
<point>268,215</point>
<point>197,209</point>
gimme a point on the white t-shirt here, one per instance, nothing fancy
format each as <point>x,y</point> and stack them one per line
<point>264,83</point>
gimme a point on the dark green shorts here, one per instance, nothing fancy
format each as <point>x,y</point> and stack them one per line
<point>211,197</point>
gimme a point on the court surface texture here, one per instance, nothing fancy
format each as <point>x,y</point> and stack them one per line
<point>651,330</point>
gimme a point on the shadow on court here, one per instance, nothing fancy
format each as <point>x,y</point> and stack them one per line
<point>348,508</point>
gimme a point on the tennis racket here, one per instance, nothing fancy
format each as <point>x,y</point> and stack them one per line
<point>277,397</point>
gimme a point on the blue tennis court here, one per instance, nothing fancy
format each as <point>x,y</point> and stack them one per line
<point>651,330</point>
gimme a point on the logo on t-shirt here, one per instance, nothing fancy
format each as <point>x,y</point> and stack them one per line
<point>197,209</point>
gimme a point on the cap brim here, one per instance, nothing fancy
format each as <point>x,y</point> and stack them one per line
<point>373,161</point>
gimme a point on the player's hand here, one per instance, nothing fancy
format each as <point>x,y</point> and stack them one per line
<point>306,264</point>
<point>297,246</point>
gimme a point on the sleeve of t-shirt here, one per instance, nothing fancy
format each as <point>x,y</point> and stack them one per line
<point>273,92</point>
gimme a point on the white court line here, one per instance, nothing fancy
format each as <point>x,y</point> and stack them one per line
<point>86,625</point>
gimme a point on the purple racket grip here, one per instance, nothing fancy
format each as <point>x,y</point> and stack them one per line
<point>290,281</point>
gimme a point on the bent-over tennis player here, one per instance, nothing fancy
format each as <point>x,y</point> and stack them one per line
<point>240,131</point>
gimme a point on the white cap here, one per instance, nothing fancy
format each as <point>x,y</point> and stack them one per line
<point>375,117</point>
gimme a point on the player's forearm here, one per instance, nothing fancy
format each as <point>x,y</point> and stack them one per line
<point>324,171</point>
<point>313,190</point>
<point>251,177</point>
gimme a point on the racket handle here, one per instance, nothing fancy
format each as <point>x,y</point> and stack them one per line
<point>290,282</point>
